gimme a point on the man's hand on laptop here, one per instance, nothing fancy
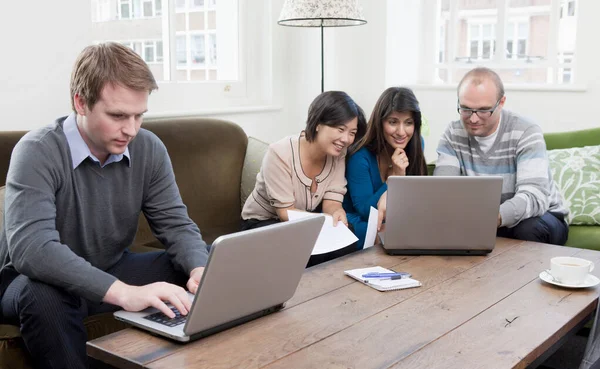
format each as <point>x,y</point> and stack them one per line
<point>194,281</point>
<point>381,208</point>
<point>136,298</point>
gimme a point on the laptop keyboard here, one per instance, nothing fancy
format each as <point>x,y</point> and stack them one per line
<point>161,318</point>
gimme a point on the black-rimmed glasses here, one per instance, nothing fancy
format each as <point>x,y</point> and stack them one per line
<point>481,113</point>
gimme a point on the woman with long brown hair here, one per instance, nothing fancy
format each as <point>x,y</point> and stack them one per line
<point>392,146</point>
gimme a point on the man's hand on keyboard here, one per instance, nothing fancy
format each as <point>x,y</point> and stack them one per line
<point>136,298</point>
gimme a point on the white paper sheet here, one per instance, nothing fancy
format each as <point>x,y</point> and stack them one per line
<point>371,228</point>
<point>331,238</point>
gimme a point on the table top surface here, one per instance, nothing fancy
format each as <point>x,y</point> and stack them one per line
<point>472,311</point>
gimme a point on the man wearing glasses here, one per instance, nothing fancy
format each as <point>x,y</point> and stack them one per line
<point>488,140</point>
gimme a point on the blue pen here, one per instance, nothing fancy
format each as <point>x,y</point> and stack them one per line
<point>394,275</point>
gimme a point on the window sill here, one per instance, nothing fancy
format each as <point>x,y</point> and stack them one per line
<point>509,87</point>
<point>216,112</point>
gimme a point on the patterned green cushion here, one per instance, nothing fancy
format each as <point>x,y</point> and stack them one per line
<point>577,173</point>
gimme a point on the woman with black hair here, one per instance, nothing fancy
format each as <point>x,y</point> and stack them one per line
<point>392,146</point>
<point>307,171</point>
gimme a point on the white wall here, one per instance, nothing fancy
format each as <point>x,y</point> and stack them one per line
<point>36,64</point>
<point>35,69</point>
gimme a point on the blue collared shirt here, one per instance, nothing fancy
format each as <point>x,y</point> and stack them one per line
<point>80,150</point>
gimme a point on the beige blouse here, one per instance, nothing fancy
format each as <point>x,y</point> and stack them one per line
<point>281,182</point>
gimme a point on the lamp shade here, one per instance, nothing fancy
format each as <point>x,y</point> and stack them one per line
<point>321,13</point>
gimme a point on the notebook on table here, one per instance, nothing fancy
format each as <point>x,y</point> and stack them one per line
<point>381,284</point>
<point>248,275</point>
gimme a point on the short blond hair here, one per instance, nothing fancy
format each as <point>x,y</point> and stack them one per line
<point>108,62</point>
<point>477,76</point>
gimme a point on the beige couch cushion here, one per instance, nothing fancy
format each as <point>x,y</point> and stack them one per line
<point>254,155</point>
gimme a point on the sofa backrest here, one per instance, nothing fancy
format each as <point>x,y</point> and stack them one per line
<point>8,140</point>
<point>207,157</point>
<point>566,140</point>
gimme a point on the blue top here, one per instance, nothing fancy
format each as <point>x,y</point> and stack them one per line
<point>365,187</point>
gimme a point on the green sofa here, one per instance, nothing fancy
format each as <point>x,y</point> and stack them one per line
<point>586,237</point>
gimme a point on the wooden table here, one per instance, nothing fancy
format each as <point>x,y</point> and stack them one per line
<point>471,312</point>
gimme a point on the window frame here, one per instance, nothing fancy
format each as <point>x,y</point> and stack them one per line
<point>249,83</point>
<point>480,24</point>
<point>514,53</point>
<point>449,19</point>
<point>120,4</point>
<point>156,10</point>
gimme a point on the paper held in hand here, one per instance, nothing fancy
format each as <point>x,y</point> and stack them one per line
<point>331,238</point>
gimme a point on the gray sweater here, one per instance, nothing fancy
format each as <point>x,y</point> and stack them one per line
<point>518,155</point>
<point>66,226</point>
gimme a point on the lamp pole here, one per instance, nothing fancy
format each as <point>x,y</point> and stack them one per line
<point>321,13</point>
<point>322,61</point>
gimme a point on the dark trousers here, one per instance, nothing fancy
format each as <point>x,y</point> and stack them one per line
<point>51,319</point>
<point>549,228</point>
<point>314,259</point>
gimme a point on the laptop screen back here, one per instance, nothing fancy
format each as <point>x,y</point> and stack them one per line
<point>251,271</point>
<point>443,213</point>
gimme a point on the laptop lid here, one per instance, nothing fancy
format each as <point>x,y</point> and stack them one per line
<point>251,271</point>
<point>435,214</point>
<point>248,275</point>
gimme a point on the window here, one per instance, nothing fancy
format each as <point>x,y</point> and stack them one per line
<point>148,8</point>
<point>517,34</point>
<point>212,49</point>
<point>538,38</point>
<point>197,54</point>
<point>197,57</point>
<point>193,5</point>
<point>571,9</point>
<point>150,50</point>
<point>124,9</point>
<point>565,72</point>
<point>482,41</point>
<point>138,9</point>
<point>196,36</point>
<point>442,44</point>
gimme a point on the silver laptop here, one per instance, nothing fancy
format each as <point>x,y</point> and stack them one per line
<point>442,215</point>
<point>248,275</point>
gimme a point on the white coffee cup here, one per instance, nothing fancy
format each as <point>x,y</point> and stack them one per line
<point>570,270</point>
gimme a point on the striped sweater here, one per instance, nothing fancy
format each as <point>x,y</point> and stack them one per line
<point>518,155</point>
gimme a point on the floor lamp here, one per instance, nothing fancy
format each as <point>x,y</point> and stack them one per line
<point>321,13</point>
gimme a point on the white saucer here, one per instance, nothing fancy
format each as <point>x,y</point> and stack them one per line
<point>590,281</point>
